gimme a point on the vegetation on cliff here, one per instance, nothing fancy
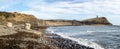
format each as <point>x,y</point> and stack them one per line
<point>15,16</point>
<point>18,18</point>
<point>96,21</point>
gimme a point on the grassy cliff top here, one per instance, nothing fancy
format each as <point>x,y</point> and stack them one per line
<point>15,16</point>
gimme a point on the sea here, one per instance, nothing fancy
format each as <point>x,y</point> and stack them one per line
<point>97,37</point>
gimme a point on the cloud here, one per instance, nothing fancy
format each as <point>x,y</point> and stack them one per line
<point>67,9</point>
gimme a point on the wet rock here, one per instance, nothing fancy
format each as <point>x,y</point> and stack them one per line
<point>67,43</point>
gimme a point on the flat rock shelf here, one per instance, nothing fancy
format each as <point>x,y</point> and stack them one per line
<point>34,39</point>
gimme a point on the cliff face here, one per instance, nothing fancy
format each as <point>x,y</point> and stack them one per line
<point>58,22</point>
<point>92,21</point>
<point>17,18</point>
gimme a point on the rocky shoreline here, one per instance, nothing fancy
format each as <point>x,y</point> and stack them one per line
<point>64,43</point>
<point>34,39</point>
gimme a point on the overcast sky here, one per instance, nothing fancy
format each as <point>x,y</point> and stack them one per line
<point>65,9</point>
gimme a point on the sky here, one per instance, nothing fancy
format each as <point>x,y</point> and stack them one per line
<point>65,9</point>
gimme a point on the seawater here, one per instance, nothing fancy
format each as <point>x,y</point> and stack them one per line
<point>98,37</point>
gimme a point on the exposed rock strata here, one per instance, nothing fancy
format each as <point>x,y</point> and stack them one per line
<point>92,21</point>
<point>33,39</point>
<point>18,18</point>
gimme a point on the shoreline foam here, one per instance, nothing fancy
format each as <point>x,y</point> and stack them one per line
<point>79,41</point>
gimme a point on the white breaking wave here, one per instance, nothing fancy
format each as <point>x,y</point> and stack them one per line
<point>103,31</point>
<point>80,41</point>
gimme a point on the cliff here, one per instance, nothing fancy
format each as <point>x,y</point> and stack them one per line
<point>58,22</point>
<point>20,18</point>
<point>91,21</point>
<point>15,16</point>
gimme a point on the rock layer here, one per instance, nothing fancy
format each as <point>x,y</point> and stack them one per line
<point>91,21</point>
<point>33,39</point>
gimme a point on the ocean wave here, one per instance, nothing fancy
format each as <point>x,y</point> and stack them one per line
<point>102,31</point>
<point>81,41</point>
